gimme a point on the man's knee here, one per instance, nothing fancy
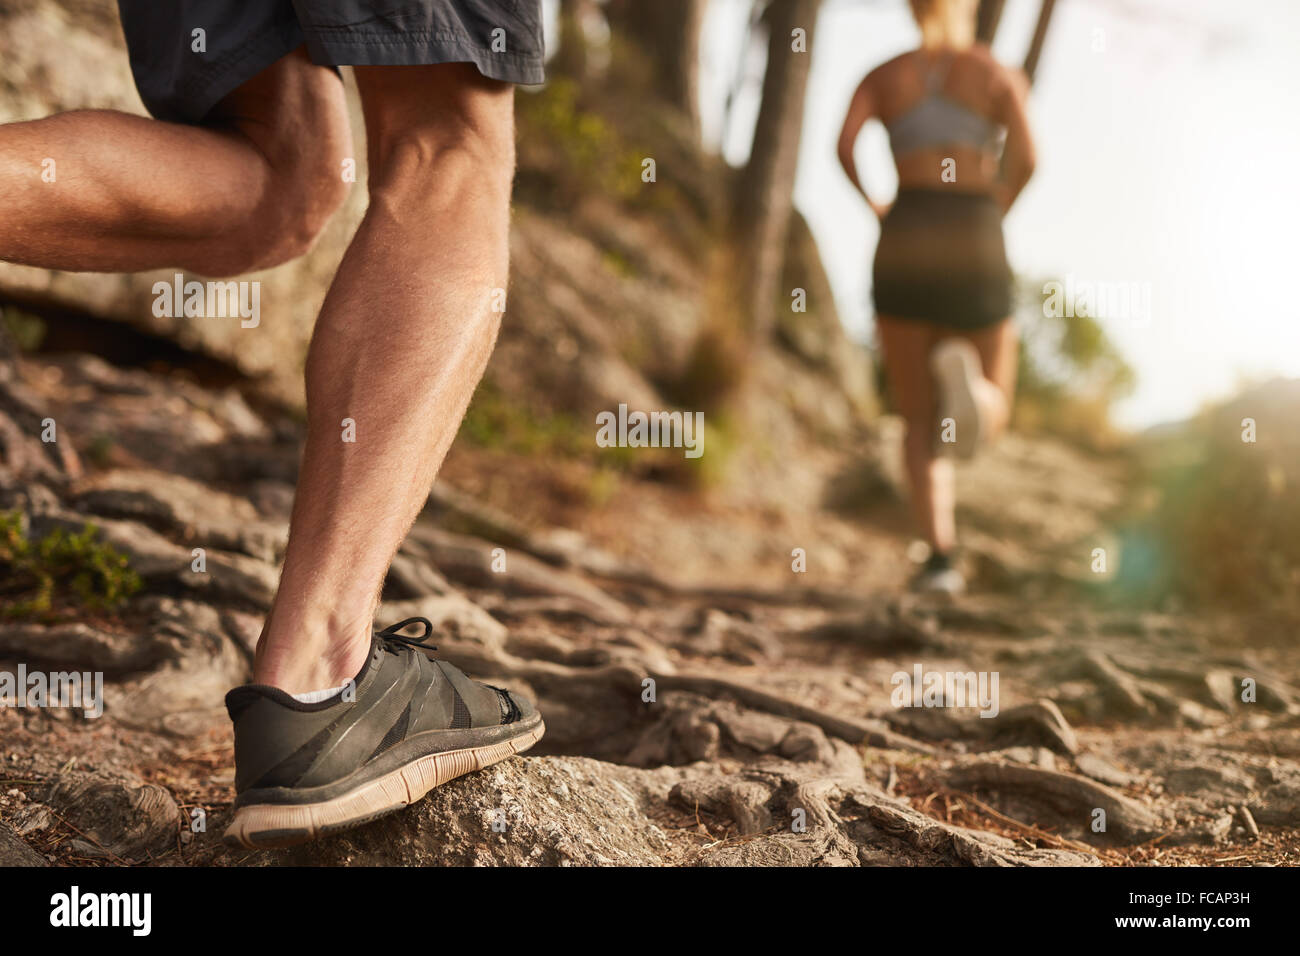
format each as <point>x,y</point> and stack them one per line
<point>433,168</point>
<point>297,202</point>
<point>435,134</point>
<point>295,117</point>
<point>309,194</point>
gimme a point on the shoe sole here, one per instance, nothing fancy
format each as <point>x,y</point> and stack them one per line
<point>946,594</point>
<point>956,370</point>
<point>269,825</point>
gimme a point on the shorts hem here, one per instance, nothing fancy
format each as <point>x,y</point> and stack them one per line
<point>423,49</point>
<point>947,322</point>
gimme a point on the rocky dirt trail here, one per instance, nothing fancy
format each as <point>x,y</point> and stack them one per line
<point>693,719</point>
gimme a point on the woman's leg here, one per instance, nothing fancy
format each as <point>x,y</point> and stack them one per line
<point>998,347</point>
<point>906,345</point>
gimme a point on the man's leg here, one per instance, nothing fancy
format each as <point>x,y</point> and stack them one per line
<point>403,338</point>
<point>249,189</point>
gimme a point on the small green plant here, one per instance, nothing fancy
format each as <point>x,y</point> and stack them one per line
<point>495,421</point>
<point>26,330</point>
<point>101,450</point>
<point>592,148</point>
<point>64,567</point>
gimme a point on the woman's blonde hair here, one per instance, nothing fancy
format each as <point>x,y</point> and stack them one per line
<point>945,22</point>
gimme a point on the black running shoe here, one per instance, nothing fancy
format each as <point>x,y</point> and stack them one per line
<point>938,576</point>
<point>409,724</point>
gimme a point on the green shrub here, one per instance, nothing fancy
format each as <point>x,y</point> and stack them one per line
<point>1227,518</point>
<point>592,151</point>
<point>495,421</point>
<point>1069,375</point>
<point>37,577</point>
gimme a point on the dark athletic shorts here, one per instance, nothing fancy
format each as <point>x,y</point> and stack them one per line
<point>179,82</point>
<point>941,259</point>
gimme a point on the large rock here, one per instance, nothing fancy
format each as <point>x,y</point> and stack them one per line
<point>78,646</point>
<point>201,662</point>
<point>157,559</point>
<point>200,514</point>
<point>471,561</point>
<point>535,811</point>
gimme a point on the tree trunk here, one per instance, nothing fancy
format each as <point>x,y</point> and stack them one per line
<point>571,60</point>
<point>986,23</point>
<point>668,31</point>
<point>1040,35</point>
<point>766,189</point>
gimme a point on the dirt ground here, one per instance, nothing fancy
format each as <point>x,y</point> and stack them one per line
<point>771,738</point>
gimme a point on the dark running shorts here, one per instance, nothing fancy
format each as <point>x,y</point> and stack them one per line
<point>177,81</point>
<point>941,259</point>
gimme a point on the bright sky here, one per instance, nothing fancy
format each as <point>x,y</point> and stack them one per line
<point>1166,158</point>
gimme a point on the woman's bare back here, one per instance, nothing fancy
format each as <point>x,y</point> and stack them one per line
<point>971,78</point>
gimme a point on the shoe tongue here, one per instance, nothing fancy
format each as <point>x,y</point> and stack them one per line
<point>373,659</point>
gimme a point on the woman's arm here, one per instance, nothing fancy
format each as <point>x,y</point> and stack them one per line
<point>861,109</point>
<point>1018,159</point>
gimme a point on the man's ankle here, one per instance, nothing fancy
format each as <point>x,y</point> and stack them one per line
<point>311,662</point>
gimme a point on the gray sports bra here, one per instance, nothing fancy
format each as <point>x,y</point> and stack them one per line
<point>937,120</point>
